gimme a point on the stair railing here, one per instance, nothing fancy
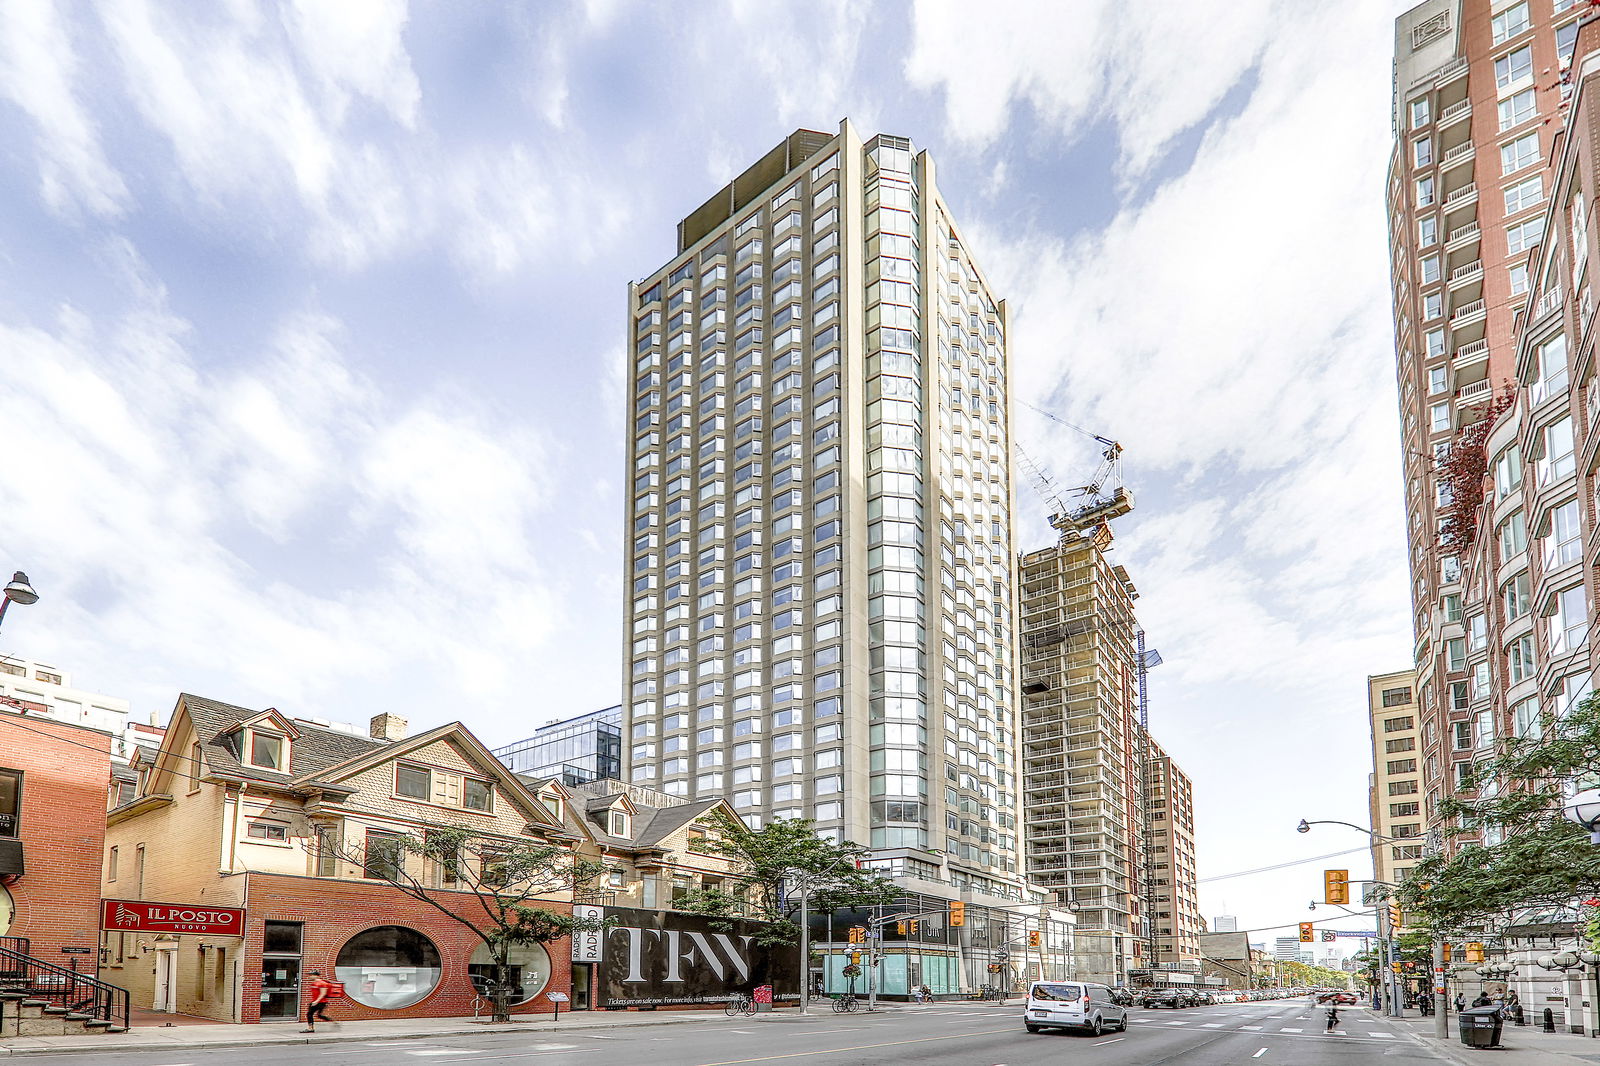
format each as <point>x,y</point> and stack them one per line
<point>78,993</point>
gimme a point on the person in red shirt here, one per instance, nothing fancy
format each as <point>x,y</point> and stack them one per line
<point>322,991</point>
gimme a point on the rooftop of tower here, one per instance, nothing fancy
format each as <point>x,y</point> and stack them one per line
<point>748,186</point>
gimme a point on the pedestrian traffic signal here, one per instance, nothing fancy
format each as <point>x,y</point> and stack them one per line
<point>1336,886</point>
<point>958,912</point>
<point>1307,933</point>
<point>1033,939</point>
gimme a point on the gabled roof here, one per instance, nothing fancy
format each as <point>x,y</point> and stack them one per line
<point>311,750</point>
<point>664,821</point>
<point>471,747</point>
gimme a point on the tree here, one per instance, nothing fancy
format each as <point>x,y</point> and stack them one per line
<point>1461,473</point>
<point>770,869</point>
<point>1534,856</point>
<point>489,884</point>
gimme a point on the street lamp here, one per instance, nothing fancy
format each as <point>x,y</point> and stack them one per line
<point>18,591</point>
<point>1584,808</point>
<point>1390,983</point>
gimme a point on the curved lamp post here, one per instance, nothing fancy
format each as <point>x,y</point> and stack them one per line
<point>1584,809</point>
<point>17,591</point>
<point>1390,989</point>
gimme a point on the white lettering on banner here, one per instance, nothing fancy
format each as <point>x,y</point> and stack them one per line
<point>735,952</point>
<point>588,944</point>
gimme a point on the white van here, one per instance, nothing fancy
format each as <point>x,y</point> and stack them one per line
<point>1072,1005</point>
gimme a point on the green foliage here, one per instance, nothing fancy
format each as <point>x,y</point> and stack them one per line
<point>1541,860</point>
<point>772,866</point>
<point>1298,973</point>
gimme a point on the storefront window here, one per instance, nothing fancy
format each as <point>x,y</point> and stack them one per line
<point>528,973</point>
<point>10,801</point>
<point>388,967</point>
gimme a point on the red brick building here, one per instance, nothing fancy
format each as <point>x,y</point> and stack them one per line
<point>53,779</point>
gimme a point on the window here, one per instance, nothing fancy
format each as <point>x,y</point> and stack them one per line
<point>528,969</point>
<point>1396,697</point>
<point>1432,308</point>
<point>1566,39</point>
<point>619,824</point>
<point>1519,279</point>
<point>1463,772</point>
<point>383,857</point>
<point>1513,67</point>
<point>1513,536</point>
<point>1508,472</point>
<point>1461,735</point>
<point>413,782</point>
<point>1515,110</point>
<point>1390,747</point>
<point>1425,191</point>
<point>1402,788</point>
<point>1402,766</point>
<point>272,832</point>
<point>1515,596</point>
<point>477,795</point>
<point>1394,725</point>
<point>1558,461</point>
<point>1569,624</point>
<point>1427,231</point>
<point>388,967</point>
<point>1439,417</point>
<point>1421,113</point>
<point>265,750</point>
<point>1520,665</point>
<point>1525,718</point>
<point>1422,151</point>
<point>1522,152</point>
<point>1524,194</point>
<point>1564,544</point>
<point>1438,380</point>
<point>1524,235</point>
<point>1509,23</point>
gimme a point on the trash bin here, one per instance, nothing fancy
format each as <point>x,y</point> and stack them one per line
<point>1480,1026</point>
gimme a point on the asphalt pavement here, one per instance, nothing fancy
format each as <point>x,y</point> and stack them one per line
<point>1280,1032</point>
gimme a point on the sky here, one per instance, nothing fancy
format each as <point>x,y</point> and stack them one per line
<point>311,342</point>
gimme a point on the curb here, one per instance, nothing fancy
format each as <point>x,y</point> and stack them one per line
<point>92,1046</point>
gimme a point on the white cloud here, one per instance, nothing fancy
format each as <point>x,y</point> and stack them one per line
<point>1155,72</point>
<point>39,68</point>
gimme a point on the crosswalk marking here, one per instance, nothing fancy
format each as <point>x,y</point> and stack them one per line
<point>1177,1023</point>
<point>1255,1027</point>
<point>1212,1025</point>
<point>1382,1036</point>
<point>1292,1030</point>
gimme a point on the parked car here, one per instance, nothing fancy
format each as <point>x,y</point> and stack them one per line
<point>1162,997</point>
<point>1122,997</point>
<point>1072,1005</point>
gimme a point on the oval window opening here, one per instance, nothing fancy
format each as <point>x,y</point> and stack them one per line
<point>528,973</point>
<point>388,967</point>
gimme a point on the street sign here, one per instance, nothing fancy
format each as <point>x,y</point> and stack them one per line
<point>556,997</point>
<point>1364,934</point>
<point>1002,954</point>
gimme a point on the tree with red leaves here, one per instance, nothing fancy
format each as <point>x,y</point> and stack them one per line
<point>1461,472</point>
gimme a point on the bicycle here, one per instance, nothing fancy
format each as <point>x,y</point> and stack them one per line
<point>845,1004</point>
<point>740,1004</point>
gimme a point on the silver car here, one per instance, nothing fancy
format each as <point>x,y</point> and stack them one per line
<point>1072,1005</point>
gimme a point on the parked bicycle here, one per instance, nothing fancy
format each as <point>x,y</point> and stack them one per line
<point>845,1004</point>
<point>742,1003</point>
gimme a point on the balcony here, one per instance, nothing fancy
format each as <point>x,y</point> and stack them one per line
<point>1547,303</point>
<point>1455,113</point>
<point>1471,353</point>
<point>1461,235</point>
<point>1466,272</point>
<point>1461,153</point>
<point>1475,392</point>
<point>1465,194</point>
<point>1467,313</point>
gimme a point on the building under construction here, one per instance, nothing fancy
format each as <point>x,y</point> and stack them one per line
<point>1088,764</point>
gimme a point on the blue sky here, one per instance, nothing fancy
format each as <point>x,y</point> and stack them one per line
<point>311,322</point>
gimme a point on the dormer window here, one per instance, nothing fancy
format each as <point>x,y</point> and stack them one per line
<point>619,823</point>
<point>553,801</point>
<point>266,751</point>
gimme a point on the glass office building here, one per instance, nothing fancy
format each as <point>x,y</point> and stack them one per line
<point>577,750</point>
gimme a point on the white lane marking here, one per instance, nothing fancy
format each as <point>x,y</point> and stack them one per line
<point>1291,1030</point>
<point>1212,1025</point>
<point>1260,1053</point>
<point>1103,1043</point>
<point>1250,1027</point>
<point>1177,1023</point>
<point>447,1051</point>
<point>1382,1036</point>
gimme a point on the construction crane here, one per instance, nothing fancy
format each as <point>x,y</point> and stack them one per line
<point>1100,501</point>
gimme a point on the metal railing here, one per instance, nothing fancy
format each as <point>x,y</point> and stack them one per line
<point>1460,107</point>
<point>1463,193</point>
<point>81,995</point>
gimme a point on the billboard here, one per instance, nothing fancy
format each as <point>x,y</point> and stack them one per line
<point>649,958</point>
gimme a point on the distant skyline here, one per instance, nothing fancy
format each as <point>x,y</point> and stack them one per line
<point>313,328</point>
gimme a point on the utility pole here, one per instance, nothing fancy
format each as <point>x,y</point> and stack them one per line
<point>1441,1008</point>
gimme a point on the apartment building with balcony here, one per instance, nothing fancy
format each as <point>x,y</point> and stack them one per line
<point>1176,899</point>
<point>819,619</point>
<point>1478,94</point>
<point>1395,792</point>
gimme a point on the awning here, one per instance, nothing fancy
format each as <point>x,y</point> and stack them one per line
<point>11,858</point>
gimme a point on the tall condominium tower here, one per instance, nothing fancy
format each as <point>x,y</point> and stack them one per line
<point>1176,901</point>
<point>819,540</point>
<point>1395,794</point>
<point>1082,768</point>
<point>1476,85</point>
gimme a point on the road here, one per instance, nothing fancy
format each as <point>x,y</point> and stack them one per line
<point>1268,1034</point>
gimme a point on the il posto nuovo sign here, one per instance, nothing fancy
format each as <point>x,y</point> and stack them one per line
<point>130,916</point>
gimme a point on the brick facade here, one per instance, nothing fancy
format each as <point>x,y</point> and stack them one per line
<point>65,770</point>
<point>334,911</point>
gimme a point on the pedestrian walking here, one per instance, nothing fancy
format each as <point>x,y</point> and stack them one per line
<point>1333,1017</point>
<point>1483,1000</point>
<point>1461,1002</point>
<point>322,991</point>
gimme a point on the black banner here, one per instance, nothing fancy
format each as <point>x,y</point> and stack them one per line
<point>658,958</point>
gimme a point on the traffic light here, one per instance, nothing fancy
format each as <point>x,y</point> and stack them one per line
<point>1336,886</point>
<point>914,926</point>
<point>855,958</point>
<point>1397,918</point>
<point>1033,939</point>
<point>958,912</point>
<point>1395,966</point>
<point>900,927</point>
<point>1475,952</point>
<point>1307,933</point>
<point>1446,955</point>
<point>858,935</point>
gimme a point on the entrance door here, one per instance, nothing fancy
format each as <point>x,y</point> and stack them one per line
<point>581,972</point>
<point>166,980</point>
<point>280,971</point>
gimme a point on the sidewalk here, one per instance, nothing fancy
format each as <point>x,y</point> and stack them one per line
<point>184,1037</point>
<point>1521,1045</point>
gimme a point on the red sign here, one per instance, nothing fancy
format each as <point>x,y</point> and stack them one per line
<point>123,915</point>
